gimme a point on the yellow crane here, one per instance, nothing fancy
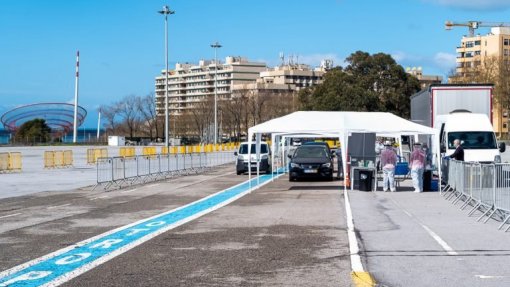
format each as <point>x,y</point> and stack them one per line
<point>473,25</point>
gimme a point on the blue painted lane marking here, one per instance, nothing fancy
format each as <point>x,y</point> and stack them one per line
<point>65,264</point>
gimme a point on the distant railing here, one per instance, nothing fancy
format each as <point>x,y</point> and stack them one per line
<point>118,172</point>
<point>485,187</point>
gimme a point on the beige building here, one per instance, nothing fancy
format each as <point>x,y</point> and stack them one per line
<point>189,84</point>
<point>425,80</point>
<point>286,78</point>
<point>474,51</point>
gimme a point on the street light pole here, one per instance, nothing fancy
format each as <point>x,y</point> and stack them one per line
<point>166,11</point>
<point>215,46</point>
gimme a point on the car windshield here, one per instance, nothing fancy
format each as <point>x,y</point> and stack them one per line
<point>244,149</point>
<point>311,151</point>
<point>473,140</point>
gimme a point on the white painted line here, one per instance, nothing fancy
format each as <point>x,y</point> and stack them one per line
<point>153,185</point>
<point>129,190</point>
<point>10,215</point>
<point>87,267</point>
<point>356,264</point>
<point>449,250</point>
<point>489,277</point>
<point>99,197</point>
<point>57,206</point>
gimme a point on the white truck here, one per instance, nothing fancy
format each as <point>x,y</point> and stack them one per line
<point>461,112</point>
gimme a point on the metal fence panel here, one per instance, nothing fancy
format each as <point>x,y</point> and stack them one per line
<point>502,188</point>
<point>68,158</point>
<point>143,165</point>
<point>104,168</point>
<point>118,169</point>
<point>49,159</point>
<point>15,161</point>
<point>154,167</point>
<point>4,161</point>
<point>131,167</point>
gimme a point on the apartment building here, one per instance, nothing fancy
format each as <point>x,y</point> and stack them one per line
<point>478,49</point>
<point>285,78</point>
<point>425,80</point>
<point>189,84</point>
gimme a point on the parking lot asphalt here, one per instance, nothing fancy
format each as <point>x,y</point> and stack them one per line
<point>284,234</point>
<point>280,235</point>
<point>411,239</point>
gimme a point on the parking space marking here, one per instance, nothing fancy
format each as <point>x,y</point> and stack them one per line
<point>449,250</point>
<point>99,197</point>
<point>57,206</point>
<point>67,263</point>
<point>10,215</point>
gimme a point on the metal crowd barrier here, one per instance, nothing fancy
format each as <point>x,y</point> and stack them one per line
<point>94,153</point>
<point>10,162</point>
<point>484,187</point>
<point>58,158</point>
<point>118,172</point>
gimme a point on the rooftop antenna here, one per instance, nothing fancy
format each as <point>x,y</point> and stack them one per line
<point>282,59</point>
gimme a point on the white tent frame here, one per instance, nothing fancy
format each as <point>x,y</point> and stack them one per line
<point>340,132</point>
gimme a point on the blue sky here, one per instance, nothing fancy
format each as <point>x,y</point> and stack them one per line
<point>121,43</point>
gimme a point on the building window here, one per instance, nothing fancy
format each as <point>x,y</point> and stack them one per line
<point>469,44</point>
<point>505,52</point>
<point>506,42</point>
<point>477,43</point>
<point>477,53</point>
<point>504,125</point>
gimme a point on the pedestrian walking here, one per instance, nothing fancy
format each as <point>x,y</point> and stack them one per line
<point>388,162</point>
<point>417,165</point>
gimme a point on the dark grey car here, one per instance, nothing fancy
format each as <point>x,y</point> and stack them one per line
<point>311,161</point>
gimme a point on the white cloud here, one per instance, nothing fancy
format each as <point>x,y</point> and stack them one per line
<point>445,61</point>
<point>473,4</point>
<point>400,57</point>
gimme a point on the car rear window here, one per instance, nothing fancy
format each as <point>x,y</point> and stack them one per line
<point>311,151</point>
<point>244,149</point>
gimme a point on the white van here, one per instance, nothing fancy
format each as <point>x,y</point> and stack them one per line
<point>242,158</point>
<point>475,133</point>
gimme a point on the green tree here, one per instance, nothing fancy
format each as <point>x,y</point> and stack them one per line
<point>368,83</point>
<point>33,131</point>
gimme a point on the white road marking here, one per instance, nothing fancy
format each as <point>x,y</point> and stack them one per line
<point>356,264</point>
<point>57,206</point>
<point>80,270</point>
<point>99,197</point>
<point>10,215</point>
<point>449,250</point>
<point>153,185</point>
<point>129,190</point>
<point>489,277</point>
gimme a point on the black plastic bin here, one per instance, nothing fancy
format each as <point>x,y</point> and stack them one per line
<point>427,180</point>
<point>365,180</point>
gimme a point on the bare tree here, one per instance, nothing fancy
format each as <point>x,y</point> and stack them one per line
<point>146,107</point>
<point>110,115</point>
<point>128,114</point>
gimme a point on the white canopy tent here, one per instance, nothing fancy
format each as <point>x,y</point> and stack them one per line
<point>340,125</point>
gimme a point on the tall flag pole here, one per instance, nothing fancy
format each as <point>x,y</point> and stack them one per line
<point>75,126</point>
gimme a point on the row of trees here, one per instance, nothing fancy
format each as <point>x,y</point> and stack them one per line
<point>136,116</point>
<point>368,83</point>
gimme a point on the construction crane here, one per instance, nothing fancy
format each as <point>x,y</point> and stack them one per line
<point>473,25</point>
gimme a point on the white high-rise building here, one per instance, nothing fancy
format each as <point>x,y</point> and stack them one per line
<point>189,84</point>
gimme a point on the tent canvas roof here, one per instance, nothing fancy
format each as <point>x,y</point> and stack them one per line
<point>314,122</point>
